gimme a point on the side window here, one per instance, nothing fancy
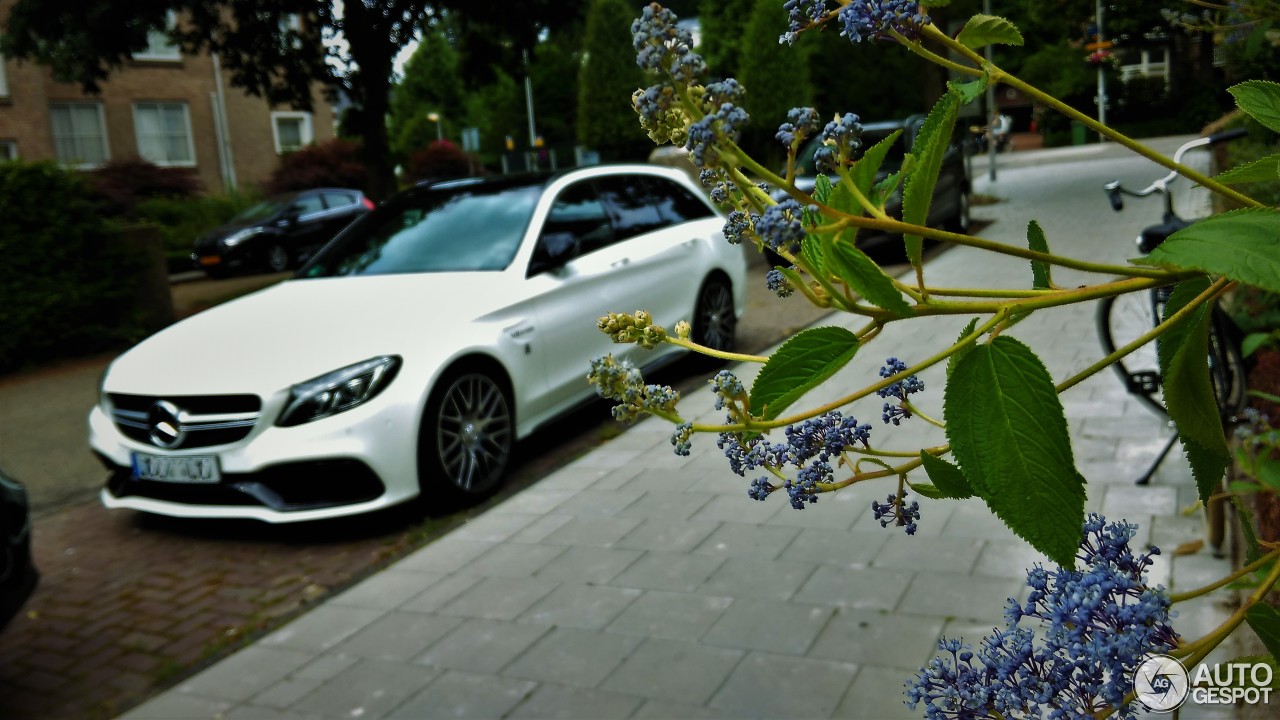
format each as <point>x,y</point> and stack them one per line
<point>306,204</point>
<point>576,225</point>
<point>631,204</point>
<point>675,203</point>
<point>339,200</point>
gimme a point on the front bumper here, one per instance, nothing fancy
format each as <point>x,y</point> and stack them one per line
<point>355,462</point>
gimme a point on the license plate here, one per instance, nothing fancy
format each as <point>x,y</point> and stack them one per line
<point>210,260</point>
<point>194,469</point>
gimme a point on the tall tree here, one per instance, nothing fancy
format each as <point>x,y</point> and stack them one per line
<point>722,23</point>
<point>776,78</point>
<point>606,121</point>
<point>431,84</point>
<point>348,46</point>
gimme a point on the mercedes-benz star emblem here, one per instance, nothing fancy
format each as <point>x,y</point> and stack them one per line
<point>1160,683</point>
<point>162,423</point>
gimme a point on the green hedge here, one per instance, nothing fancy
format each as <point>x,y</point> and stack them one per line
<point>182,220</point>
<point>65,288</point>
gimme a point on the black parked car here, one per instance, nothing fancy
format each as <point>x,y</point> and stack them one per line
<point>18,574</point>
<point>950,206</point>
<point>279,232</point>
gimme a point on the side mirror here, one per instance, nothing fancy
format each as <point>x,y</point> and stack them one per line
<point>554,250</point>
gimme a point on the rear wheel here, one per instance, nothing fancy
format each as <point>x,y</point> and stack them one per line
<point>467,436</point>
<point>1121,319</point>
<point>714,322</point>
<point>959,223</point>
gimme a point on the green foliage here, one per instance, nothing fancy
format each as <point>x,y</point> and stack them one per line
<point>983,30</point>
<point>1261,100</point>
<point>1041,278</point>
<point>929,147</point>
<point>64,284</point>
<point>776,77</point>
<point>608,76</point>
<point>1265,621</point>
<point>181,220</point>
<point>723,25</point>
<point>120,185</point>
<point>1009,435</point>
<point>1242,245</point>
<point>947,478</point>
<point>862,275</point>
<point>431,84</point>
<point>797,367</point>
<point>334,163</point>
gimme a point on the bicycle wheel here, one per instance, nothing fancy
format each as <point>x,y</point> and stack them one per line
<point>1226,365</point>
<point>1120,320</point>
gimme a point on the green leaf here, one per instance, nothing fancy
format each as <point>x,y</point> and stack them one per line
<point>929,146</point>
<point>1269,473</point>
<point>971,91</point>
<point>926,490</point>
<point>1183,353</point>
<point>1262,170</point>
<point>1251,551</point>
<point>1243,245</point>
<point>1009,435</point>
<point>865,171</point>
<point>955,357</point>
<point>1265,396</point>
<point>1253,341</point>
<point>842,199</point>
<point>947,478</point>
<point>822,189</point>
<point>1265,621</point>
<point>798,366</point>
<point>1040,274</point>
<point>983,30</point>
<point>1261,99</point>
<point>863,275</point>
<point>811,254</point>
<point>1243,488</point>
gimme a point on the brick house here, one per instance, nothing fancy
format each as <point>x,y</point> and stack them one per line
<point>168,108</point>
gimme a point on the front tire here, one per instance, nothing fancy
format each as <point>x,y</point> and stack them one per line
<point>959,223</point>
<point>714,321</point>
<point>277,258</point>
<point>467,435</point>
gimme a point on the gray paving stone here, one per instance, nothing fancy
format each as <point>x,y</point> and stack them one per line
<point>874,636</point>
<point>877,692</point>
<point>927,554</point>
<point>766,686</point>
<point>972,519</point>
<point>666,505</point>
<point>575,703</point>
<point>535,531</point>
<point>175,706</point>
<point>481,646</point>
<point>849,549</point>
<point>444,590</point>
<point>667,536</point>
<point>598,503</point>
<point>663,481</point>
<point>1126,501</point>
<point>1008,559</point>
<point>249,671</point>
<point>593,565</point>
<point>788,627</point>
<point>673,671</point>
<point>325,666</point>
<point>590,607</point>
<point>936,516</point>
<point>465,695</point>
<point>512,559</point>
<point>573,477</point>
<point>747,541</point>
<point>746,577</point>
<point>499,598</point>
<point>597,531</point>
<point>398,636</point>
<point>445,555</point>
<point>534,501</point>
<point>956,595</point>
<point>570,656</point>
<point>254,712</point>
<point>660,710</point>
<point>493,527</point>
<point>284,694</point>
<point>369,689</point>
<point>387,589</point>
<point>736,508</point>
<point>835,511</point>
<point>677,616</point>
<point>865,588</point>
<point>669,571</point>
<point>322,628</point>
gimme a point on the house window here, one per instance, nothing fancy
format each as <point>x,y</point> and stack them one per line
<point>292,130</point>
<point>164,133</point>
<point>4,81</point>
<point>159,45</point>
<point>79,133</point>
<point>8,150</point>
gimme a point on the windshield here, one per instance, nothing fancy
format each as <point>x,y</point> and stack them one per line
<point>456,230</point>
<point>264,210</point>
<point>869,139</point>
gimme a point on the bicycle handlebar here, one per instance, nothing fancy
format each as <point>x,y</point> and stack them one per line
<point>1114,189</point>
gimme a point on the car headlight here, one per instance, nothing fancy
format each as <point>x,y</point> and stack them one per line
<point>338,391</point>
<point>240,236</point>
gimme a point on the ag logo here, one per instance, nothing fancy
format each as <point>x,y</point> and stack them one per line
<point>1160,683</point>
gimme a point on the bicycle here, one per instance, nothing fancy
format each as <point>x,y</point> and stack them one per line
<point>1122,318</point>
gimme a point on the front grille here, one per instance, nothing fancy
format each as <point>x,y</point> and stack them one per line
<point>202,420</point>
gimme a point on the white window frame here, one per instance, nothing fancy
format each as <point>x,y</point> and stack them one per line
<point>102,129</point>
<point>159,47</point>
<point>308,135</point>
<point>4,80</point>
<point>186,119</point>
<point>11,153</point>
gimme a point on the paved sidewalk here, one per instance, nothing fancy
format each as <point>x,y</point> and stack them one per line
<point>636,583</point>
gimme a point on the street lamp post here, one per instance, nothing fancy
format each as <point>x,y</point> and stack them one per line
<point>435,118</point>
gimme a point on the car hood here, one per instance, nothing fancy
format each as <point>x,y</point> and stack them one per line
<point>301,329</point>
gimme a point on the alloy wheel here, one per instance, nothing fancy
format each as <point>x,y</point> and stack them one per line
<point>473,433</point>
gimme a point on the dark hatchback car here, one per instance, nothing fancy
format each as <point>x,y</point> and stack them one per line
<point>950,206</point>
<point>18,574</point>
<point>280,232</point>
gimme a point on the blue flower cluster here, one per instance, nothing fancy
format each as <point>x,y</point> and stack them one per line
<point>663,46</point>
<point>809,447</point>
<point>840,138</point>
<point>900,390</point>
<point>873,19</point>
<point>681,438</point>
<point>728,389</point>
<point>801,123</point>
<point>781,226</point>
<point>727,120</point>
<point>623,382</point>
<point>778,283</point>
<point>896,510</point>
<point>739,226</point>
<point>801,14</point>
<point>1096,624</point>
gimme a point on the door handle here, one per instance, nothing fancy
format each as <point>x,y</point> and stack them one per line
<point>620,263</point>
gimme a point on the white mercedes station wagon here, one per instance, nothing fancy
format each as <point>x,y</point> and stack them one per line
<point>406,358</point>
